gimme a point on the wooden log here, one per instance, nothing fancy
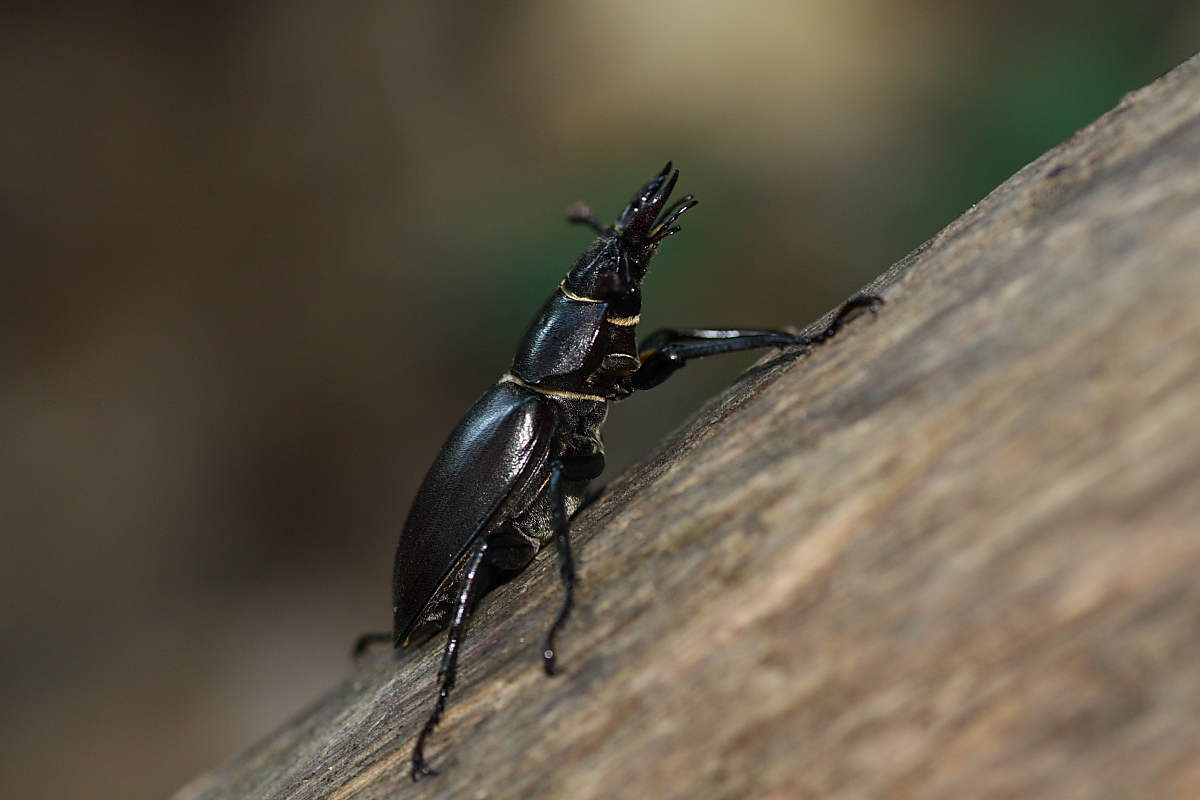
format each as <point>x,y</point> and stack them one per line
<point>952,553</point>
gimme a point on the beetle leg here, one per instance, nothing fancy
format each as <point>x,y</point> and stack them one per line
<point>580,466</point>
<point>666,351</point>
<point>592,496</point>
<point>566,564</point>
<point>448,670</point>
<point>365,642</point>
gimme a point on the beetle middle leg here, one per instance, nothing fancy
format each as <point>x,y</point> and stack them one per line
<point>581,467</point>
<point>448,670</point>
<point>566,564</point>
<point>668,350</point>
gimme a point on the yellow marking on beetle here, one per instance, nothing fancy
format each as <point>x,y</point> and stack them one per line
<point>627,322</point>
<point>562,287</point>
<point>563,393</point>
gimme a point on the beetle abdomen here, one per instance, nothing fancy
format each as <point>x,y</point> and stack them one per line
<point>488,469</point>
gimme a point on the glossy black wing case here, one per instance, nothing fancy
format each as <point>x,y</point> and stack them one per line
<point>498,449</point>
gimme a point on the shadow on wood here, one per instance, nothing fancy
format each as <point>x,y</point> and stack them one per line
<point>952,553</point>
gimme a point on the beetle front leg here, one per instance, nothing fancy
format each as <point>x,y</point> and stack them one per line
<point>449,668</point>
<point>666,351</point>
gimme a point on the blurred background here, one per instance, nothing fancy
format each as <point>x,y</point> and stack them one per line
<point>259,257</point>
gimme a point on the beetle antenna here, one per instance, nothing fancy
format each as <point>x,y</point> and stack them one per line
<point>580,213</point>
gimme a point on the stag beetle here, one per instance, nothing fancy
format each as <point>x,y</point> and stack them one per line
<point>518,464</point>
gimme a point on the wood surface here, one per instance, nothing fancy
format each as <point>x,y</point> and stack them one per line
<point>953,553</point>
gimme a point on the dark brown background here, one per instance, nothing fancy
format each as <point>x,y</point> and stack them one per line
<point>259,258</point>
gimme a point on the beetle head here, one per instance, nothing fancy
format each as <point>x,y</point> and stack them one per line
<point>616,262</point>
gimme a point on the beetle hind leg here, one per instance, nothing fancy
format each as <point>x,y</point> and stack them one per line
<point>449,668</point>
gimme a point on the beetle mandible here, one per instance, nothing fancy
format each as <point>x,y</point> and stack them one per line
<point>517,467</point>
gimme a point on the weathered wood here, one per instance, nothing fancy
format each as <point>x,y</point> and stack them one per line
<point>952,553</point>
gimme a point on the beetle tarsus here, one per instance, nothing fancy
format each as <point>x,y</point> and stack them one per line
<point>849,310</point>
<point>367,641</point>
<point>419,768</point>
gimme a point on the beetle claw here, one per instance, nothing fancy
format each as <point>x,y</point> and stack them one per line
<point>421,770</point>
<point>644,221</point>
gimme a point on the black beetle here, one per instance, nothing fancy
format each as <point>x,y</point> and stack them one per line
<point>518,464</point>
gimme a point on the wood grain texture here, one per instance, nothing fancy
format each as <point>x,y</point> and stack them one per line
<point>952,553</point>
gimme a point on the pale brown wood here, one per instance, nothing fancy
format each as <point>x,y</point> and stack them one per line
<point>952,553</point>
